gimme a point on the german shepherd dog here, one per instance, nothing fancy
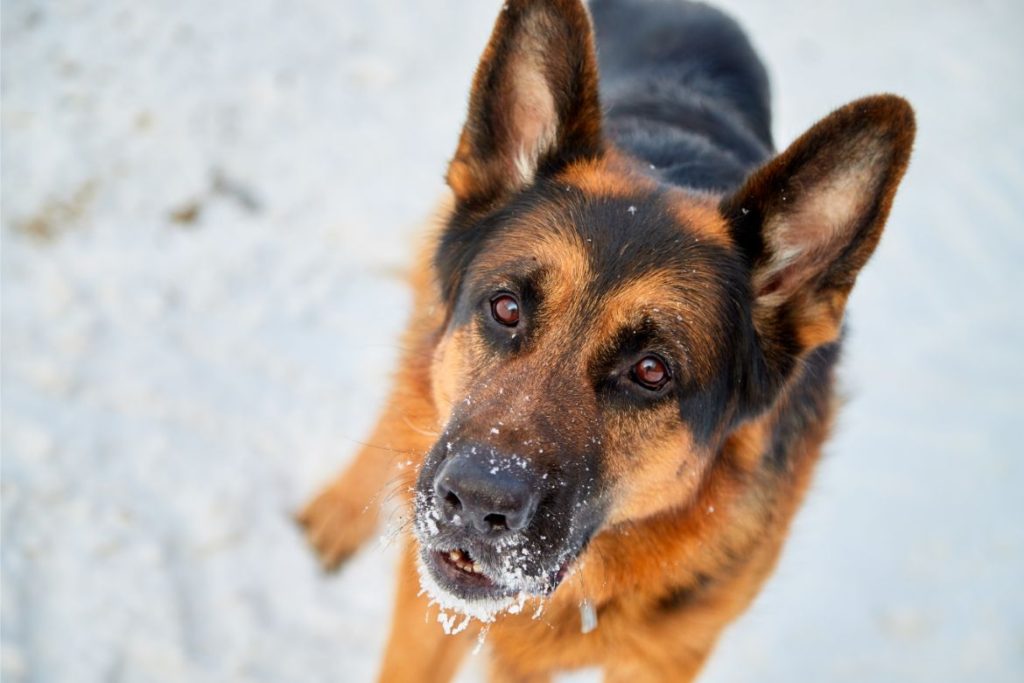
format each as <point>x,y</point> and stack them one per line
<point>619,371</point>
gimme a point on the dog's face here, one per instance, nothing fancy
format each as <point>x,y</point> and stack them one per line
<point>581,371</point>
<point>604,332</point>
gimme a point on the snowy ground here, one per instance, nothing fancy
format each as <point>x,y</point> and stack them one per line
<point>207,208</point>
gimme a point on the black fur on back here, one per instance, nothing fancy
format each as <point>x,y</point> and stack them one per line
<point>683,89</point>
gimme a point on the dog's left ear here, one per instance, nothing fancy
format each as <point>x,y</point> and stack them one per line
<point>809,219</point>
<point>534,103</point>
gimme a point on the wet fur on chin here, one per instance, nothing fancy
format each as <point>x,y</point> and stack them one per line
<point>485,610</point>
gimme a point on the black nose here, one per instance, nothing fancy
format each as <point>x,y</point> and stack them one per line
<point>492,494</point>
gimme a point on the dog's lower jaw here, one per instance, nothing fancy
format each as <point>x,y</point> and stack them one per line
<point>484,609</point>
<point>508,598</point>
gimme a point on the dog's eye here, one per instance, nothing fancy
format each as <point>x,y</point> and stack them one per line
<point>505,309</point>
<point>651,373</point>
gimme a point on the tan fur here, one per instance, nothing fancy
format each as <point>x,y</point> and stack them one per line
<point>668,541</point>
<point>694,525</point>
<point>612,176</point>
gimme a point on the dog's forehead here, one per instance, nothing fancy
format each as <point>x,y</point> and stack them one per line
<point>616,244</point>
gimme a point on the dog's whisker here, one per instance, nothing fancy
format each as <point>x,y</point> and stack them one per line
<point>420,430</point>
<point>378,447</point>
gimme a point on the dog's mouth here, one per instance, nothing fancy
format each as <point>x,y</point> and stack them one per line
<point>458,582</point>
<point>459,566</point>
<point>456,577</point>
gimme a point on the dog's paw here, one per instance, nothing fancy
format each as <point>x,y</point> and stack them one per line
<point>336,525</point>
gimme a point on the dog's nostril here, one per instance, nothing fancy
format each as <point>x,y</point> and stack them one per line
<point>453,500</point>
<point>470,494</point>
<point>497,522</point>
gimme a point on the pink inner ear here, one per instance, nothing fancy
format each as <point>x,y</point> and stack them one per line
<point>534,123</point>
<point>808,233</point>
<point>532,119</point>
<point>771,286</point>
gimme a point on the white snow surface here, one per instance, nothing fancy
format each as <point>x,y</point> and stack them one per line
<point>173,391</point>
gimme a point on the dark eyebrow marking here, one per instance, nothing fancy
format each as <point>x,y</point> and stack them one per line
<point>632,339</point>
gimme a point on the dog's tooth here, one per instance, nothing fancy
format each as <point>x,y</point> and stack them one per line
<point>454,555</point>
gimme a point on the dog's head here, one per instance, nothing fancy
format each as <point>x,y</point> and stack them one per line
<point>603,331</point>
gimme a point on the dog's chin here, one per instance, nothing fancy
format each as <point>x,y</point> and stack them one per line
<point>456,581</point>
<point>454,586</point>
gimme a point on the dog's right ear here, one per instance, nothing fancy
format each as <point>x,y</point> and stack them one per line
<point>534,102</point>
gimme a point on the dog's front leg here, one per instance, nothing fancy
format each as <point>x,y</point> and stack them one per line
<point>419,650</point>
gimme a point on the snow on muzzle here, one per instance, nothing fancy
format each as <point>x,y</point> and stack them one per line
<point>493,525</point>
